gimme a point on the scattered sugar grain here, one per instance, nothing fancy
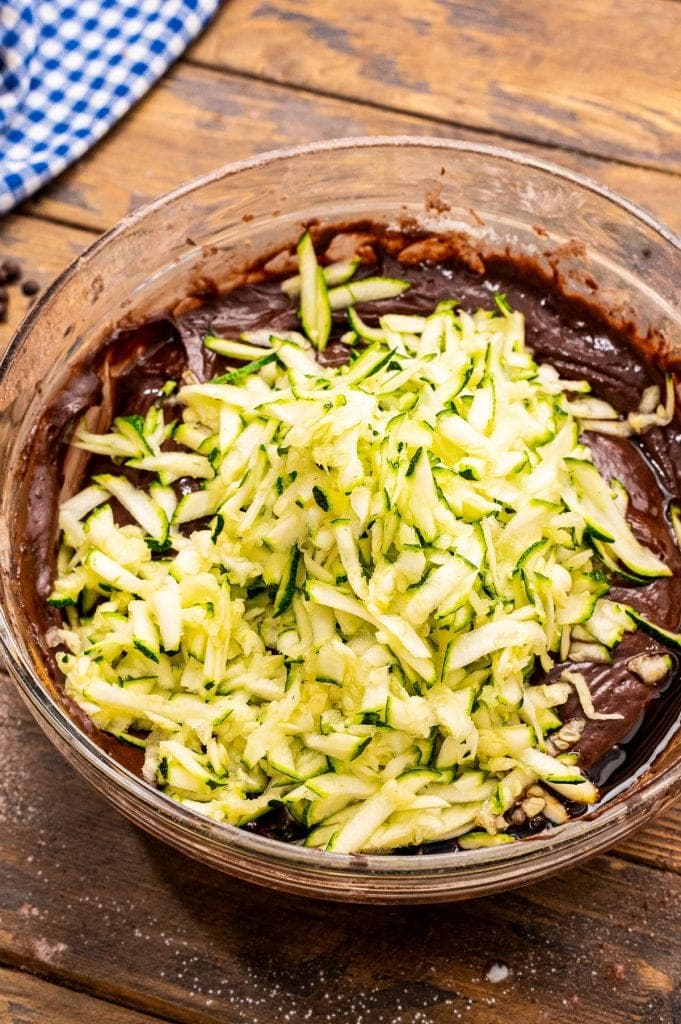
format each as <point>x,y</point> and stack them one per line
<point>497,972</point>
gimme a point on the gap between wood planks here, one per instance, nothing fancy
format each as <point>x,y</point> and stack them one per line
<point>229,117</point>
<point>577,949</point>
<point>485,132</point>
<point>600,75</point>
<point>28,998</point>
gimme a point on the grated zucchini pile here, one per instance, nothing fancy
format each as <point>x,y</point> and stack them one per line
<point>345,614</point>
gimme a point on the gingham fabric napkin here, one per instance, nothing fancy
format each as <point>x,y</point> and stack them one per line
<point>69,69</point>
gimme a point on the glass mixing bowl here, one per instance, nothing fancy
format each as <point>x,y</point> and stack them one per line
<point>208,231</point>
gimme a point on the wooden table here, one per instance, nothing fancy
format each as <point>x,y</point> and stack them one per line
<point>99,922</point>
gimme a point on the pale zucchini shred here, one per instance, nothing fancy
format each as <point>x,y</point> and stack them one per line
<point>353,635</point>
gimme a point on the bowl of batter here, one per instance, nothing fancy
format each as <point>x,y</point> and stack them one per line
<point>463,686</point>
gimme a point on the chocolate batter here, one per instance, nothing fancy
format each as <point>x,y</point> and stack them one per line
<point>127,374</point>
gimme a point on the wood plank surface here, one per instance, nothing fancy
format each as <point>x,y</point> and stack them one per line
<point>25,999</point>
<point>88,900</point>
<point>228,117</point>
<point>659,844</point>
<point>90,903</point>
<point>43,250</point>
<point>600,76</point>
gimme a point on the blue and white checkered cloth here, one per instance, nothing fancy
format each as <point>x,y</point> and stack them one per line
<point>69,69</point>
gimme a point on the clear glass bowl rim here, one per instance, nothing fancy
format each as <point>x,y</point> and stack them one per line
<point>570,842</point>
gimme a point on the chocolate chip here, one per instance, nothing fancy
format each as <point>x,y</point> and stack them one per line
<point>30,287</point>
<point>3,293</point>
<point>3,314</point>
<point>10,271</point>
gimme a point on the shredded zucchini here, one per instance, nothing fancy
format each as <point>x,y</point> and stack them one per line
<point>392,547</point>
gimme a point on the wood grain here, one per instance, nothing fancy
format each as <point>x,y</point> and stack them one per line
<point>28,1000</point>
<point>87,899</point>
<point>226,117</point>
<point>659,844</point>
<point>597,76</point>
<point>43,250</point>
